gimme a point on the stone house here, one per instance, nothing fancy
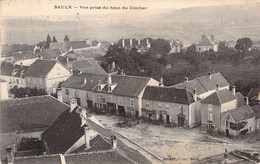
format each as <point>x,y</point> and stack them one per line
<point>122,94</point>
<point>207,44</point>
<point>171,105</point>
<point>205,85</point>
<point>46,74</point>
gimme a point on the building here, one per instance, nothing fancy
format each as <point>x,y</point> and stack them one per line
<point>171,105</point>
<point>88,65</point>
<point>254,96</point>
<point>238,121</point>
<point>205,85</point>
<point>256,109</point>
<point>46,74</point>
<point>176,46</point>
<point>207,44</point>
<point>14,75</point>
<point>3,89</point>
<point>27,117</point>
<point>80,86</point>
<point>142,45</point>
<point>122,94</point>
<point>21,56</point>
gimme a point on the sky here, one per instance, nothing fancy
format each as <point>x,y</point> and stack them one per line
<point>33,8</point>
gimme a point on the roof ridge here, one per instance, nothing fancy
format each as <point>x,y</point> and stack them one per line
<point>121,152</point>
<point>92,152</point>
<point>218,97</point>
<point>59,100</point>
<point>27,97</point>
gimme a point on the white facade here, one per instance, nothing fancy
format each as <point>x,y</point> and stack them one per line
<point>3,90</point>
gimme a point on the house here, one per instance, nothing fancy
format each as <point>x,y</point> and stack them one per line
<point>122,94</point>
<point>256,109</point>
<point>46,74</point>
<point>14,75</point>
<point>26,62</point>
<point>3,89</point>
<point>27,117</point>
<point>205,85</point>
<point>254,96</point>
<point>88,65</point>
<point>51,54</point>
<point>21,56</point>
<point>80,86</point>
<point>141,45</point>
<point>207,44</point>
<point>238,121</point>
<point>78,137</point>
<point>171,105</point>
<point>176,46</point>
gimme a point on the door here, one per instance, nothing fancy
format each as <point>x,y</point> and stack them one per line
<point>136,113</point>
<point>168,119</point>
<point>181,121</point>
<point>150,116</point>
<point>121,110</point>
<point>227,132</point>
<point>111,108</point>
<point>89,103</point>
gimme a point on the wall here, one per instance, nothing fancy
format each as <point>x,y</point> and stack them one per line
<point>3,90</point>
<point>258,123</point>
<point>37,82</point>
<point>206,94</point>
<point>229,105</point>
<point>195,114</point>
<point>215,112</point>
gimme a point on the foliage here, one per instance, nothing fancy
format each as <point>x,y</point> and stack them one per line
<point>27,92</point>
<point>48,41</point>
<point>238,126</point>
<point>54,39</point>
<point>244,44</point>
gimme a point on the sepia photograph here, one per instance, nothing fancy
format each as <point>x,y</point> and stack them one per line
<point>130,81</point>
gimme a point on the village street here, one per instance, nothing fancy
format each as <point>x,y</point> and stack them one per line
<point>177,145</point>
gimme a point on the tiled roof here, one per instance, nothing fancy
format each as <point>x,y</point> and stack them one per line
<point>256,110</point>
<point>92,52</point>
<point>77,81</point>
<point>87,66</point>
<point>24,55</point>
<point>219,97</point>
<point>40,68</point>
<point>240,99</point>
<point>64,46</point>
<point>205,42</point>
<point>204,84</point>
<point>52,159</point>
<point>29,114</point>
<point>64,132</point>
<point>126,85</point>
<point>49,53</point>
<point>242,113</point>
<point>166,94</point>
<point>9,69</point>
<point>63,60</point>
<point>253,93</point>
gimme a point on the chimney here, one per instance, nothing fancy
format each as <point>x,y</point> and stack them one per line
<point>147,41</point>
<point>246,101</point>
<point>83,116</point>
<point>217,87</point>
<point>139,42</point>
<point>209,75</point>
<point>114,142</point>
<point>234,90</point>
<point>186,79</point>
<point>87,136</point>
<point>67,59</point>
<point>123,42</point>
<point>73,104</point>
<point>195,96</point>
<point>109,79</point>
<point>9,155</point>
<point>161,82</point>
<point>131,41</point>
<point>21,63</point>
<point>122,72</point>
<point>85,80</point>
<point>113,65</point>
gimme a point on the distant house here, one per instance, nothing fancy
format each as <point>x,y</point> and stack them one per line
<point>27,117</point>
<point>3,89</point>
<point>205,85</point>
<point>88,65</point>
<point>46,74</point>
<point>14,75</point>
<point>171,105</point>
<point>254,96</point>
<point>176,46</point>
<point>51,54</point>
<point>20,57</point>
<point>207,44</point>
<point>256,109</point>
<point>122,94</point>
<point>141,45</point>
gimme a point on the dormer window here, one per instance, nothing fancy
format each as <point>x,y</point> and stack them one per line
<point>109,89</point>
<point>99,87</point>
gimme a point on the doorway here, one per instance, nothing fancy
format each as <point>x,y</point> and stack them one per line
<point>181,121</point>
<point>168,119</point>
<point>121,110</point>
<point>227,132</point>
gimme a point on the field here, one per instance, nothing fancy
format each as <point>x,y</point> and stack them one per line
<point>178,145</point>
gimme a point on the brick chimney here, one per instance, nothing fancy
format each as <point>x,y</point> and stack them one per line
<point>86,136</point>
<point>83,116</point>
<point>234,90</point>
<point>123,42</point>
<point>209,75</point>
<point>161,82</point>
<point>246,101</point>
<point>114,142</point>
<point>195,96</point>
<point>73,104</point>
<point>10,155</point>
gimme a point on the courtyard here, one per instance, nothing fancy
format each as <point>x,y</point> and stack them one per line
<point>177,145</point>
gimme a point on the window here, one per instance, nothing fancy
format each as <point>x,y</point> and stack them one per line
<point>17,81</point>
<point>182,110</point>
<point>21,81</point>
<point>109,89</point>
<point>99,87</point>
<point>167,107</point>
<point>147,104</point>
<point>110,98</point>
<point>210,117</point>
<point>159,106</point>
<point>66,91</point>
<point>226,124</point>
<point>132,102</point>
<point>120,101</point>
